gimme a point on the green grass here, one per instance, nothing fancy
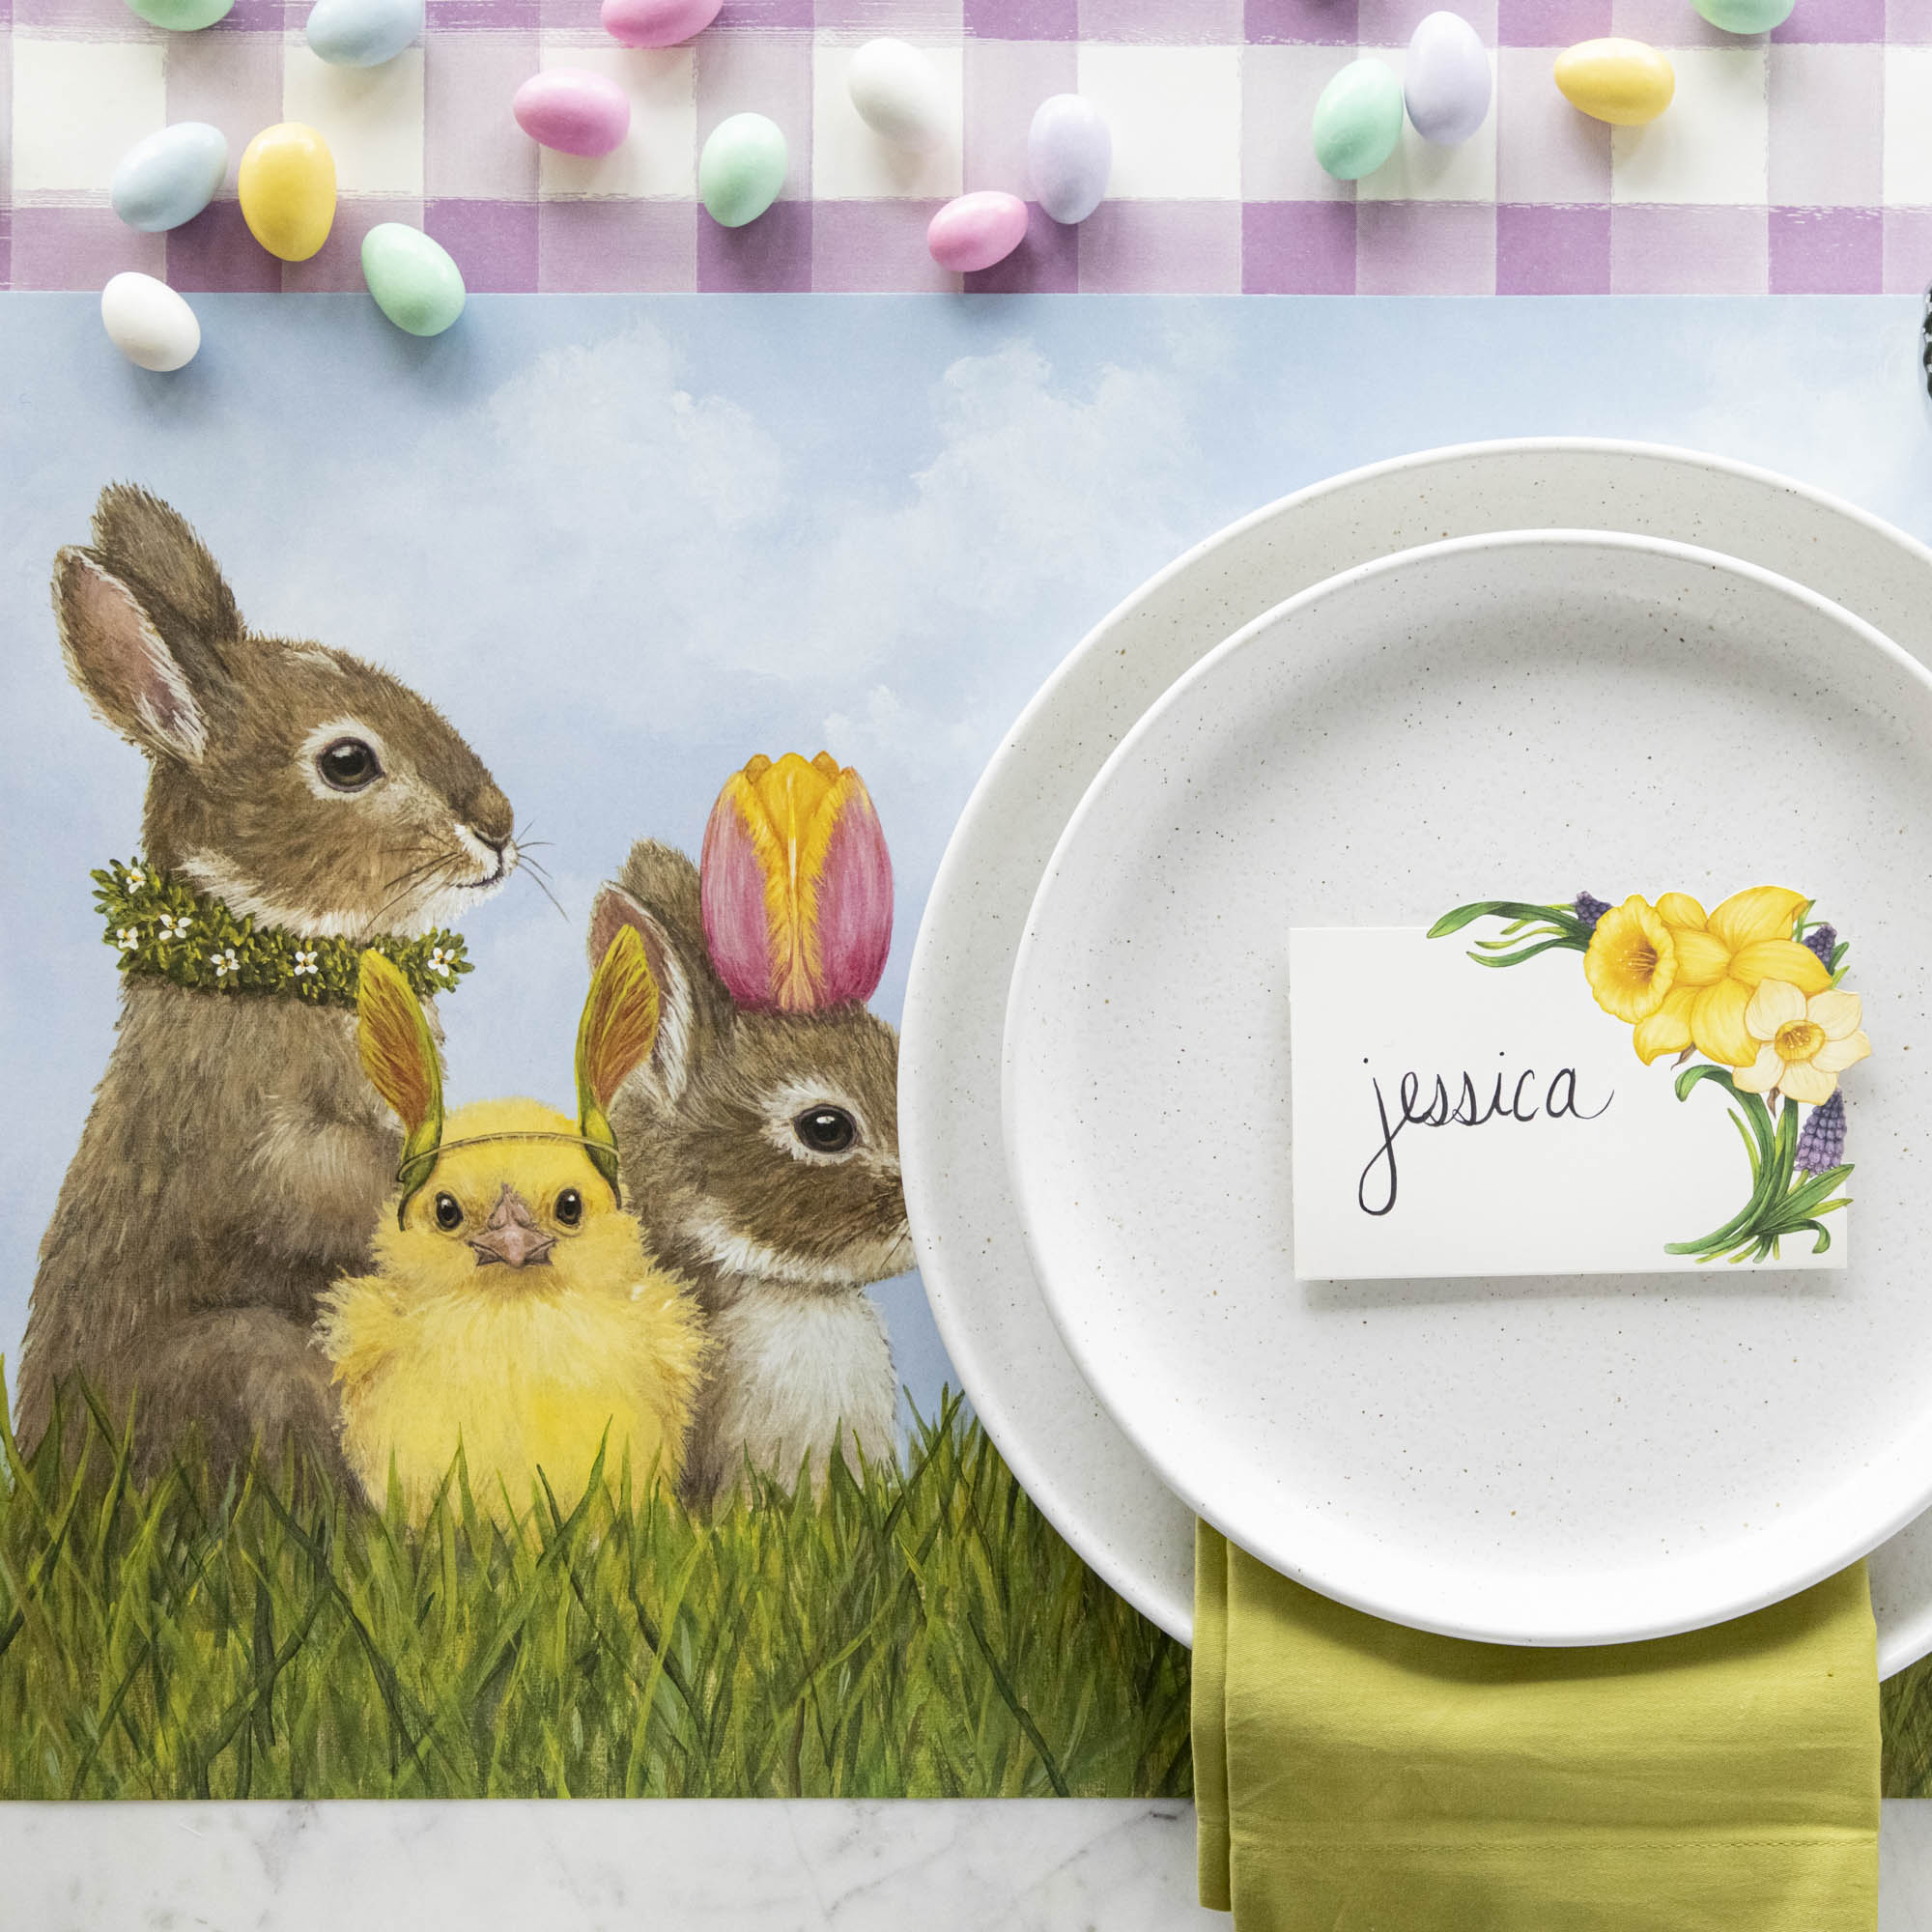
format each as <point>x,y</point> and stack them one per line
<point>914,1634</point>
<point>1905,1704</point>
<point>918,1634</point>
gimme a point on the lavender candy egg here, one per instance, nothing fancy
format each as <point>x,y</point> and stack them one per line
<point>1069,156</point>
<point>170,177</point>
<point>573,110</point>
<point>977,230</point>
<point>657,23</point>
<point>1446,82</point>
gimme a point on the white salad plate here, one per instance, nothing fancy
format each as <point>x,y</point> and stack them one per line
<point>1544,1460</point>
<point>1090,1480</point>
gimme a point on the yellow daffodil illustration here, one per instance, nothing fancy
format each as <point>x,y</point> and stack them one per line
<point>1721,961</point>
<point>1754,987</point>
<point>1804,1044</point>
<point>1631,961</point>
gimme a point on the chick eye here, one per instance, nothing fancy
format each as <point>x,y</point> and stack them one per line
<point>348,765</point>
<point>826,1129</point>
<point>448,1214</point>
<point>569,1208</point>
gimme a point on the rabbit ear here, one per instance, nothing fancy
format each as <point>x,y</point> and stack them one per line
<point>153,544</point>
<point>118,658</point>
<point>392,1041</point>
<point>667,1067</point>
<point>614,1038</point>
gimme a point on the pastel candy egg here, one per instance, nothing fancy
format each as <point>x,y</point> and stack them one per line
<point>977,230</point>
<point>287,187</point>
<point>1446,79</point>
<point>741,169</point>
<point>180,16</point>
<point>149,322</point>
<point>413,280</point>
<point>657,23</point>
<point>170,177</point>
<point>1745,16</point>
<point>1069,156</point>
<point>1358,119</point>
<point>1623,82</point>
<point>573,110</point>
<point>362,33</point>
<point>897,93</point>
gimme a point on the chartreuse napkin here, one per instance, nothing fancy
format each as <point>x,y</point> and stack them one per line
<point>1353,1776</point>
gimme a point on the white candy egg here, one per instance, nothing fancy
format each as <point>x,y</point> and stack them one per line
<point>899,96</point>
<point>149,322</point>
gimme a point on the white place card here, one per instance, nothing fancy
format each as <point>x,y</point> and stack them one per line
<point>1452,1118</point>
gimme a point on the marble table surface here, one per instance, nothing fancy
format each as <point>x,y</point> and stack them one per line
<point>1052,1866</point>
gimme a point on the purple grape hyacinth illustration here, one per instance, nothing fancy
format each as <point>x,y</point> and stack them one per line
<point>1821,1145</point>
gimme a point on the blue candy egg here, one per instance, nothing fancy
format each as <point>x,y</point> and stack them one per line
<point>170,177</point>
<point>362,33</point>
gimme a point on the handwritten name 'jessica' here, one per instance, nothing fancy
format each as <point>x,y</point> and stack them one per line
<point>1509,1101</point>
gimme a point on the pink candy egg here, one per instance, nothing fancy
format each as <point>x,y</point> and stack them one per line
<point>573,110</point>
<point>657,23</point>
<point>977,230</point>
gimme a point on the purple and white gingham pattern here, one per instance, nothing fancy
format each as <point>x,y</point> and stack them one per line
<point>1797,162</point>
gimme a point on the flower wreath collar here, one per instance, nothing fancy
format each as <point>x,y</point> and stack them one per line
<point>164,929</point>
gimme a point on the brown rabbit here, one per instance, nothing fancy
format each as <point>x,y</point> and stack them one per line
<point>762,1152</point>
<point>235,1159</point>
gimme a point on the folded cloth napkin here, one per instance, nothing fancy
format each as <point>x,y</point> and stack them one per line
<point>1354,1776</point>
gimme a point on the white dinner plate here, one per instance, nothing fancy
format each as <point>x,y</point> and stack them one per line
<point>1091,1482</point>
<point>1554,1460</point>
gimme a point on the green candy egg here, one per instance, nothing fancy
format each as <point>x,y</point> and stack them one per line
<point>1745,16</point>
<point>741,170</point>
<point>180,16</point>
<point>1358,119</point>
<point>413,279</point>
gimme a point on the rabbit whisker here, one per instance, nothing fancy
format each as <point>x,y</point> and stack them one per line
<point>541,887</point>
<point>426,880</point>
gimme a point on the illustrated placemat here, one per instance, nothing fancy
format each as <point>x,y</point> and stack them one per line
<point>1797,163</point>
<point>657,596</point>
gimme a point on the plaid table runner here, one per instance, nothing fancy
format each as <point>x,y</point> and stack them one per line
<point>1797,163</point>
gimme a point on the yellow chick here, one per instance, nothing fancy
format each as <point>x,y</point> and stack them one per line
<point>514,1310</point>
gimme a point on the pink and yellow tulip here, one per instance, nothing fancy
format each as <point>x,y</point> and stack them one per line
<point>797,885</point>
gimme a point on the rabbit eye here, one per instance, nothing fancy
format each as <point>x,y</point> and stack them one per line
<point>569,1208</point>
<point>826,1129</point>
<point>348,765</point>
<point>448,1214</point>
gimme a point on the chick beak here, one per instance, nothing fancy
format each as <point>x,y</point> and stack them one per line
<point>512,1236</point>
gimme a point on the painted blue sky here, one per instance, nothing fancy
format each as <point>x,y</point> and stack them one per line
<point>627,543</point>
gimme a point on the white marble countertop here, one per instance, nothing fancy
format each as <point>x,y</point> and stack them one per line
<point>1051,1865</point>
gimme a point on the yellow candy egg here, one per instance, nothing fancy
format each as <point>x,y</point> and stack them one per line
<point>287,187</point>
<point>1623,82</point>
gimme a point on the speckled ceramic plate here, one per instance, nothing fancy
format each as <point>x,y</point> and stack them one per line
<point>1096,1487</point>
<point>1556,1460</point>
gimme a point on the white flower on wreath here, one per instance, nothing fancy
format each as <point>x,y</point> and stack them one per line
<point>441,962</point>
<point>127,938</point>
<point>305,963</point>
<point>225,965</point>
<point>1804,1044</point>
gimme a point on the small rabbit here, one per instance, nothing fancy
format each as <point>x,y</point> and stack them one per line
<point>513,1312</point>
<point>761,1146</point>
<point>235,1160</point>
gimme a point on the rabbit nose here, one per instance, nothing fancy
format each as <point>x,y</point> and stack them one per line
<point>487,813</point>
<point>511,1234</point>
